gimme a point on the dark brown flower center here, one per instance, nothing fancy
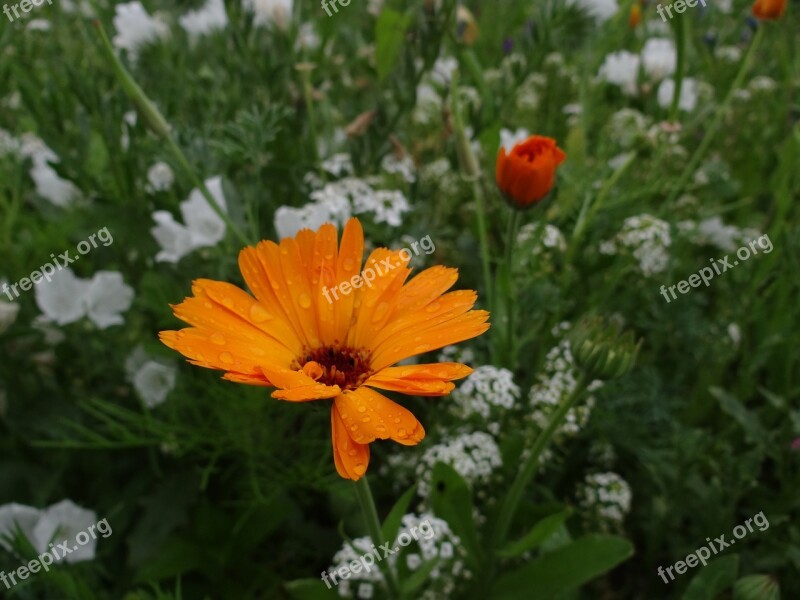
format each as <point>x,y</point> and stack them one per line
<point>334,365</point>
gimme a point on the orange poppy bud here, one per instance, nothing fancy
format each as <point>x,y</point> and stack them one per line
<point>636,15</point>
<point>527,173</point>
<point>769,9</point>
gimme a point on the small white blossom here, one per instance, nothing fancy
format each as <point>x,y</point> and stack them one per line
<point>688,98</point>
<point>205,19</point>
<point>159,178</point>
<point>135,27</point>
<point>648,238</point>
<point>621,69</point>
<point>61,523</point>
<point>270,12</point>
<point>659,58</point>
<point>487,387</point>
<point>607,498</point>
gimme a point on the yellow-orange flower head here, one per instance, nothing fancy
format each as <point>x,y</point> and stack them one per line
<point>527,173</point>
<point>769,9</point>
<point>294,334</point>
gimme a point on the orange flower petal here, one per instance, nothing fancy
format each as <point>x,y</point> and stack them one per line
<point>527,173</point>
<point>420,380</point>
<point>296,386</point>
<point>351,458</point>
<point>369,416</point>
<point>769,9</point>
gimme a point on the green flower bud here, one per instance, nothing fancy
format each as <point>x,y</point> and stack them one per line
<point>603,351</point>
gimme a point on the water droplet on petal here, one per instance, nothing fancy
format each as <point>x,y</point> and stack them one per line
<point>402,432</point>
<point>259,314</point>
<point>433,307</point>
<point>218,339</point>
<point>360,469</point>
<point>227,302</point>
<point>227,358</point>
<point>380,312</point>
<point>348,264</point>
<point>304,300</point>
<point>366,419</point>
<point>362,409</point>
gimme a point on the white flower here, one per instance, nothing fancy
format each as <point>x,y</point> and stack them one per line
<point>61,299</point>
<point>268,12</point>
<point>485,388</point>
<point>153,382</point>
<point>289,220</point>
<point>205,19</point>
<point>338,165</point>
<point>39,25</point>
<point>206,226</point>
<point>607,497</point>
<point>365,591</point>
<point>8,314</point>
<point>404,167</point>
<point>307,37</point>
<point>159,178</point>
<point>443,69</point>
<point>600,10</point>
<point>49,184</point>
<point>688,99</point>
<point>135,27</point>
<point>621,69</point>
<point>61,523</point>
<point>475,456</point>
<point>13,516</point>
<point>509,139</point>
<point>648,238</point>
<point>413,561</point>
<point>107,296</point>
<point>735,333</point>
<point>659,58</point>
<point>173,237</point>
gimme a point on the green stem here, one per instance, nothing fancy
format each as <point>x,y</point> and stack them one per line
<point>720,114</point>
<point>472,169</point>
<point>679,28</point>
<point>374,527</point>
<point>158,124</point>
<point>528,470</point>
<point>513,227</point>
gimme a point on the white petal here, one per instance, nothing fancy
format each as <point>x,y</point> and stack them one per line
<point>290,220</point>
<point>17,515</point>
<point>207,18</point>
<point>62,298</point>
<point>153,382</point>
<point>206,227</point>
<point>107,297</point>
<point>62,522</point>
<point>175,239</point>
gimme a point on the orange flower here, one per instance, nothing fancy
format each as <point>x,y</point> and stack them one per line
<point>527,173</point>
<point>305,335</point>
<point>636,15</point>
<point>769,9</point>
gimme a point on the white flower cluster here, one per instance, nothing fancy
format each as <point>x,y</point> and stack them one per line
<point>337,201</point>
<point>648,237</point>
<point>152,379</point>
<point>461,354</point>
<point>49,184</point>
<point>135,27</point>
<point>554,385</point>
<point>627,126</point>
<point>205,19</point>
<point>658,60</point>
<point>402,166</point>
<point>475,456</point>
<point>338,165</point>
<point>485,388</point>
<point>607,498</point>
<point>539,240</point>
<point>58,523</point>
<point>67,298</point>
<point>687,101</point>
<point>270,12</point>
<point>434,540</point>
<point>714,232</point>
<point>600,10</point>
<point>203,227</point>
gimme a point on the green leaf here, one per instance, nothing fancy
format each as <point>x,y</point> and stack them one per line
<point>391,525</point>
<point>540,532</point>
<point>564,569</point>
<point>310,589</point>
<point>452,501</point>
<point>390,31</point>
<point>756,587</point>
<point>713,579</point>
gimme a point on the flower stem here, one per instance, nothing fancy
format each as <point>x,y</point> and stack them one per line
<point>374,527</point>
<point>469,163</point>
<point>720,114</point>
<point>528,470</point>
<point>156,122</point>
<point>679,27</point>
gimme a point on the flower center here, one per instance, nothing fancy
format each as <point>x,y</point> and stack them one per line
<point>334,365</point>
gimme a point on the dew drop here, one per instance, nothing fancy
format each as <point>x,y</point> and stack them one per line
<point>227,358</point>
<point>304,300</point>
<point>360,469</point>
<point>352,452</point>
<point>433,307</point>
<point>366,419</point>
<point>402,432</point>
<point>380,312</point>
<point>348,264</point>
<point>396,419</point>
<point>227,302</point>
<point>259,314</point>
<point>362,409</point>
<point>218,339</point>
